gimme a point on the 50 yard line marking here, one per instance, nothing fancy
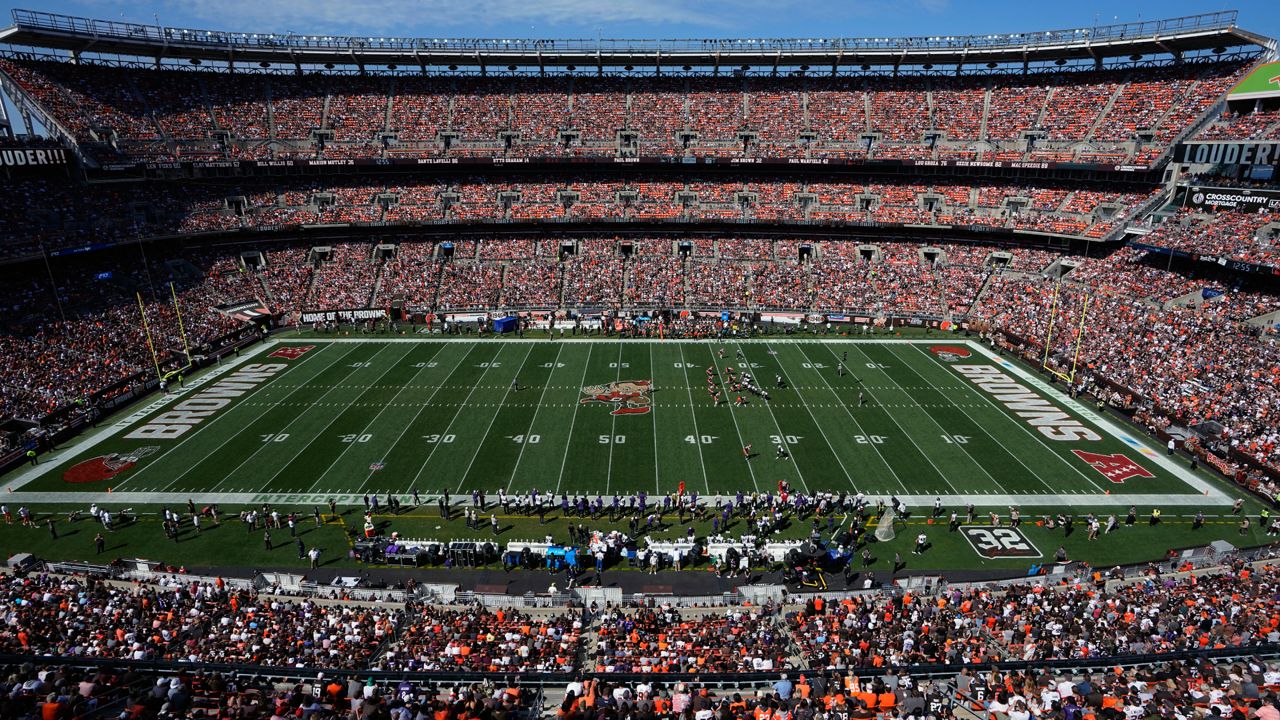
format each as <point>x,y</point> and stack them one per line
<point>534,419</point>
<point>505,395</point>
<point>653,415</point>
<point>381,410</point>
<point>613,425</point>
<point>564,456</point>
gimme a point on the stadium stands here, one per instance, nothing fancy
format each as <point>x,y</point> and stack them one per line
<point>1075,116</point>
<point>67,215</point>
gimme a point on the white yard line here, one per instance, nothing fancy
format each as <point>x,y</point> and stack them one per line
<point>1208,491</point>
<point>315,436</point>
<point>613,424</point>
<point>782,437</point>
<point>533,421</point>
<point>854,418</point>
<point>1022,426</point>
<point>371,422</point>
<point>452,420</point>
<point>287,425</point>
<point>564,458</point>
<point>817,424</point>
<point>693,415</point>
<point>267,407</point>
<point>416,415</point>
<point>49,461</point>
<point>729,403</point>
<point>480,444</point>
<point>901,429</point>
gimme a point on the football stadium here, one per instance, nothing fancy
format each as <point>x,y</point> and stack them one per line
<point>414,378</point>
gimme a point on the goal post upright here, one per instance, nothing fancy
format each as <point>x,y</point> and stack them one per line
<point>1080,329</point>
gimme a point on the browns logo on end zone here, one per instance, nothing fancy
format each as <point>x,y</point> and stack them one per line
<point>105,467</point>
<point>629,397</point>
<point>951,353</point>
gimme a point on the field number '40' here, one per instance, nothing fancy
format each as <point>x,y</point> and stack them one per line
<point>695,439</point>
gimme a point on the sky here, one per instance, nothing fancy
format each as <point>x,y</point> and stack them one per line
<point>650,18</point>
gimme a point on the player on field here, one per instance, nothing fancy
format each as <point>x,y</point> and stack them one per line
<point>782,453</point>
<point>746,451</point>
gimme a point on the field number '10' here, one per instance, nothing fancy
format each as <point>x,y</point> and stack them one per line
<point>956,439</point>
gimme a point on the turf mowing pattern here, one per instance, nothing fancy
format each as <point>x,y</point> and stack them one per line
<point>349,417</point>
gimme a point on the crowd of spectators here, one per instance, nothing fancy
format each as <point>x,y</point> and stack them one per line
<point>1247,236</point>
<point>667,640</point>
<point>1083,617</point>
<point>186,113</point>
<point>196,623</point>
<point>70,215</point>
<point>498,641</point>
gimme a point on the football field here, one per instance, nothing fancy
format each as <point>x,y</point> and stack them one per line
<point>302,420</point>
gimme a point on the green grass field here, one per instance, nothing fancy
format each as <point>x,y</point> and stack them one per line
<point>353,416</point>
<point>303,419</point>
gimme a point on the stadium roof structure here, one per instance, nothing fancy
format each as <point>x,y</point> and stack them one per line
<point>1214,32</point>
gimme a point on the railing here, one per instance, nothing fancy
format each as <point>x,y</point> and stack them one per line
<point>135,32</point>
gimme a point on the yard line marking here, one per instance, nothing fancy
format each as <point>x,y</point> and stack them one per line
<point>901,429</point>
<point>564,456</point>
<point>514,381</point>
<point>979,425</point>
<point>778,426</point>
<point>653,416</point>
<point>390,366</point>
<point>613,426</point>
<point>447,428</point>
<point>532,421</point>
<point>732,415</point>
<point>856,424</point>
<point>933,420</point>
<point>371,423</point>
<point>1022,426</point>
<point>825,439</point>
<point>267,407</point>
<point>1204,487</point>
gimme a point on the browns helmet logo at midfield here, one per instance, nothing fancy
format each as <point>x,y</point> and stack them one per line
<point>629,397</point>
